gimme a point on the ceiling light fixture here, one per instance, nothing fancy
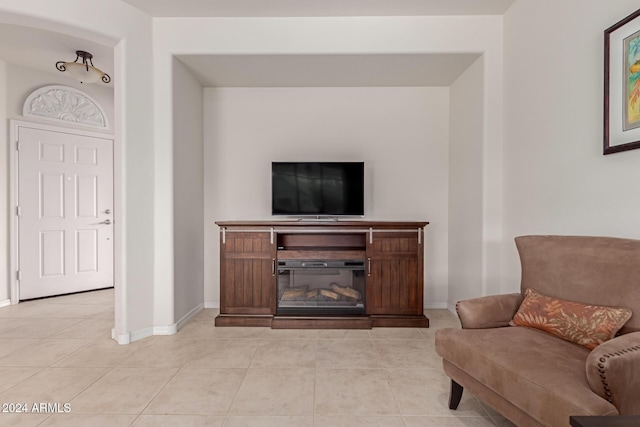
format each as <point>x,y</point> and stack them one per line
<point>83,71</point>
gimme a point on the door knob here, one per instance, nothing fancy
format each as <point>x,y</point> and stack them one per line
<point>108,211</point>
<point>106,221</point>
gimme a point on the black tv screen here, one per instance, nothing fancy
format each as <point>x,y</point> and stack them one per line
<point>317,188</point>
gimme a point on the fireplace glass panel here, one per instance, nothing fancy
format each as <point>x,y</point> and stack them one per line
<point>321,287</point>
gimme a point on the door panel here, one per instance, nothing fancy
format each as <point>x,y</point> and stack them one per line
<point>247,274</point>
<point>65,230</point>
<point>51,195</point>
<point>52,253</point>
<point>395,283</point>
<point>86,196</point>
<point>87,242</point>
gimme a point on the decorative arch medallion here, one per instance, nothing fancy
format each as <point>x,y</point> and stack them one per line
<point>65,104</point>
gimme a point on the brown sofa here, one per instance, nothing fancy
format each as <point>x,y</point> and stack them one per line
<point>534,378</point>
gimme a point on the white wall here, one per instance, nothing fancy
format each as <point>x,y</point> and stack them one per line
<point>344,35</point>
<point>22,81</point>
<point>400,133</point>
<point>143,125</point>
<point>188,190</point>
<point>466,177</point>
<point>556,179</point>
<point>4,189</point>
<point>130,32</point>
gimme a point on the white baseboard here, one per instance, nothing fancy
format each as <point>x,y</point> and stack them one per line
<point>128,338</point>
<point>174,328</point>
<point>435,305</point>
<point>122,339</point>
<point>165,330</point>
<point>211,304</point>
<point>452,308</point>
<point>5,302</point>
<point>140,334</point>
<point>183,321</point>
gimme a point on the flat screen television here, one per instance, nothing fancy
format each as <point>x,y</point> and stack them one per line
<point>317,188</point>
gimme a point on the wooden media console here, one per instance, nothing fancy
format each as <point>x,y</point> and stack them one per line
<point>321,274</point>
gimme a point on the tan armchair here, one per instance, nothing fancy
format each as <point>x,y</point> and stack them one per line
<point>532,377</point>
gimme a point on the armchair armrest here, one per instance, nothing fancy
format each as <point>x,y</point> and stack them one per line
<point>612,372</point>
<point>494,311</point>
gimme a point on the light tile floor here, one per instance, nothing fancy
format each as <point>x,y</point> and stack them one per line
<point>58,350</point>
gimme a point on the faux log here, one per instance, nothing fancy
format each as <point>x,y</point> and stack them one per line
<point>294,293</point>
<point>345,291</point>
<point>329,294</point>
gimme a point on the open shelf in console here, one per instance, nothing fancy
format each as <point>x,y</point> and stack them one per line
<point>322,246</point>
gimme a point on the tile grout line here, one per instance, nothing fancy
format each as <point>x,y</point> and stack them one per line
<point>395,398</point>
<point>109,369</point>
<point>315,381</point>
<point>25,379</point>
<point>50,366</point>
<point>162,388</point>
<point>35,319</point>
<point>30,320</point>
<point>155,395</point>
<point>246,371</point>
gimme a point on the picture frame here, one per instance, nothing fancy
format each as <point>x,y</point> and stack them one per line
<point>622,85</point>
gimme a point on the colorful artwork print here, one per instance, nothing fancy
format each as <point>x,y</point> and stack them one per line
<point>632,81</point>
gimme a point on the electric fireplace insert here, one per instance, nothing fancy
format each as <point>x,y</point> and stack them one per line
<point>317,287</point>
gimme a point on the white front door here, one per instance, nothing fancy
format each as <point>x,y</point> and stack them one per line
<point>65,213</point>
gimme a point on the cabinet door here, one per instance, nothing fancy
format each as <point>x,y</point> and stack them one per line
<point>394,273</point>
<point>247,277</point>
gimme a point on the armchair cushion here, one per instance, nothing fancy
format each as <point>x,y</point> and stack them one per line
<point>584,324</point>
<point>488,312</point>
<point>541,374</point>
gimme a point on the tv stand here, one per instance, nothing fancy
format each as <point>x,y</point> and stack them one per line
<point>320,218</point>
<point>270,274</point>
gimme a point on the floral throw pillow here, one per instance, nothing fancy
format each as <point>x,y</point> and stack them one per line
<point>587,325</point>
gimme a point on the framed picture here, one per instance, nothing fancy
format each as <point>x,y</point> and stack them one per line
<point>622,85</point>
